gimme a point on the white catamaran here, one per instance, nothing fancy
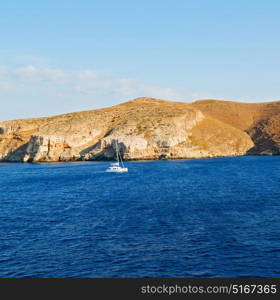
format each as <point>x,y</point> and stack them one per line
<point>118,166</point>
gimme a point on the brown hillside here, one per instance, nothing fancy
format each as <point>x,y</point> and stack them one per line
<point>259,120</point>
<point>146,128</point>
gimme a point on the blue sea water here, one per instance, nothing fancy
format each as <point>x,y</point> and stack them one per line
<point>190,218</point>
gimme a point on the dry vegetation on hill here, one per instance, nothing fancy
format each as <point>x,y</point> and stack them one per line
<point>260,120</point>
<point>146,128</point>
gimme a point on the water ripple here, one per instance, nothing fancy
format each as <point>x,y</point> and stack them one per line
<point>192,218</point>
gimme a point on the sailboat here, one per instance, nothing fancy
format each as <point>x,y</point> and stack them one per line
<point>118,166</point>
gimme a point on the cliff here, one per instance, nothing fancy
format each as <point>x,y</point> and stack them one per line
<point>146,128</point>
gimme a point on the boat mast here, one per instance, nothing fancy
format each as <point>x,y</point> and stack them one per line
<point>121,160</point>
<point>117,151</point>
<point>119,155</point>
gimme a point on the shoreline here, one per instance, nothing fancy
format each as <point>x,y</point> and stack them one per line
<point>135,160</point>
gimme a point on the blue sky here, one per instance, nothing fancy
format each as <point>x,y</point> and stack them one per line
<point>63,56</point>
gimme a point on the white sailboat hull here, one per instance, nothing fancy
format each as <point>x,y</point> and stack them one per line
<point>117,169</point>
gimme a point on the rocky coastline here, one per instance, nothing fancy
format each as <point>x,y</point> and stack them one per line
<point>146,129</point>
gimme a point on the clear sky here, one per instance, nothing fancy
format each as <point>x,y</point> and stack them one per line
<point>64,55</point>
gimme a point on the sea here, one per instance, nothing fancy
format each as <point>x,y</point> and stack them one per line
<point>216,217</point>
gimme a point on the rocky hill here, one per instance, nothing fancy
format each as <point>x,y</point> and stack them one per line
<point>259,120</point>
<point>146,128</point>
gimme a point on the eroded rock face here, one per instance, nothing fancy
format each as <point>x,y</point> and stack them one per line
<point>147,139</point>
<point>266,136</point>
<point>144,128</point>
